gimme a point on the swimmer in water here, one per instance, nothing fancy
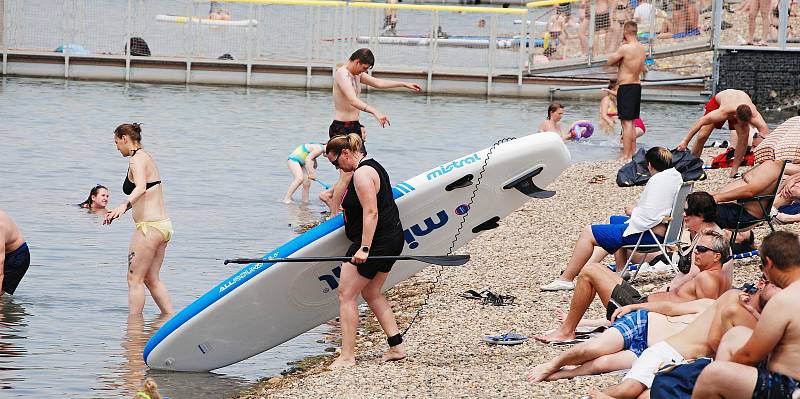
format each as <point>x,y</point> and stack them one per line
<point>97,200</point>
<point>302,163</point>
<point>553,122</point>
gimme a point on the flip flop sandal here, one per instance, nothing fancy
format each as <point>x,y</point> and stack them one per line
<point>472,294</point>
<point>498,300</point>
<point>590,330</point>
<point>578,339</point>
<point>510,338</point>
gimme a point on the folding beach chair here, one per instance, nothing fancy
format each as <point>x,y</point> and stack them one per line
<point>770,199</point>
<point>671,237</point>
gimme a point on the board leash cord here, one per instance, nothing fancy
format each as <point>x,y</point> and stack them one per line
<point>458,233</point>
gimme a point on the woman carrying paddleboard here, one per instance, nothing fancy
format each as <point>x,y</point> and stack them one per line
<point>153,227</point>
<point>372,223</point>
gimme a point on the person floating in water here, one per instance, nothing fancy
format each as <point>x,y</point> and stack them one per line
<point>97,200</point>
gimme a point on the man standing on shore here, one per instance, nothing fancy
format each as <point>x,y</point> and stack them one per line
<point>736,107</point>
<point>629,57</point>
<point>15,257</point>
<point>346,90</point>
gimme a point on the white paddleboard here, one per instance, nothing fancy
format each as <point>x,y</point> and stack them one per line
<point>264,305</point>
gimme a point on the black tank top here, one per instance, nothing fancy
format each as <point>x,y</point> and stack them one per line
<point>388,214</point>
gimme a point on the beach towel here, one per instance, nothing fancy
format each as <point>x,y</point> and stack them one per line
<point>783,144</point>
<point>725,160</point>
<point>635,173</point>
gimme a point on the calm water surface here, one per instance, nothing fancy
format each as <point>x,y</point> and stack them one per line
<point>222,156</point>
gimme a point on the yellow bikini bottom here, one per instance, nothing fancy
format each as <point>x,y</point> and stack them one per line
<point>163,226</point>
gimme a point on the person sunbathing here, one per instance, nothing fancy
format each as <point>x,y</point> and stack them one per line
<point>760,180</point>
<point>599,240</point>
<point>700,338</point>
<point>710,253</point>
<point>774,345</point>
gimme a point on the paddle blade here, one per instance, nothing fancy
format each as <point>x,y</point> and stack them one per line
<point>452,260</point>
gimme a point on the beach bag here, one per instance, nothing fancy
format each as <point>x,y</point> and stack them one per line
<point>678,381</point>
<point>635,173</point>
<point>139,47</point>
<point>725,160</point>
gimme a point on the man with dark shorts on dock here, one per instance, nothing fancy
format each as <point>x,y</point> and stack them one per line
<point>346,90</point>
<point>735,107</point>
<point>629,57</point>
<point>16,258</point>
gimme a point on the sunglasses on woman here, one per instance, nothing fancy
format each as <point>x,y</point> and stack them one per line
<point>335,162</point>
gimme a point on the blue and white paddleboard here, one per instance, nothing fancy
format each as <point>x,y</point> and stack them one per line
<point>264,305</point>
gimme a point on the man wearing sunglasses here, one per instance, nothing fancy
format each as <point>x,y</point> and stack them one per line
<point>767,365</point>
<point>710,253</point>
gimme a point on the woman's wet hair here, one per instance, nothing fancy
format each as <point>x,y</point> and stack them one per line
<point>92,193</point>
<point>701,203</point>
<point>553,108</point>
<point>132,130</point>
<point>659,157</point>
<point>611,84</point>
<point>151,389</point>
<point>337,144</point>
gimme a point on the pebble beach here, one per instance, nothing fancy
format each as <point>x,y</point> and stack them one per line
<point>446,354</point>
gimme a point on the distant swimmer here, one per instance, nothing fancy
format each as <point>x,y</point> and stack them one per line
<point>736,107</point>
<point>629,57</point>
<point>97,200</point>
<point>372,223</point>
<point>302,163</point>
<point>145,196</point>
<point>346,90</point>
<point>16,257</point>
<point>555,112</point>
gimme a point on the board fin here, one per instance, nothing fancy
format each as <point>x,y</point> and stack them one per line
<point>487,225</point>
<point>460,183</point>
<point>525,185</point>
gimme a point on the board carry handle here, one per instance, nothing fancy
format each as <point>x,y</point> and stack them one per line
<point>445,260</point>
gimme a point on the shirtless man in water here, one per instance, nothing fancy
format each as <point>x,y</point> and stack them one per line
<point>736,107</point>
<point>14,257</point>
<point>629,57</point>
<point>346,90</point>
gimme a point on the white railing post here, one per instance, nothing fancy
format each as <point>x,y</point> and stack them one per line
<point>492,54</point>
<point>128,28</point>
<point>65,38</point>
<point>251,15</point>
<point>590,44</point>
<point>190,11</point>
<point>310,44</point>
<point>432,44</point>
<point>783,19</point>
<point>3,44</point>
<point>716,18</point>
<point>522,45</point>
<point>532,41</point>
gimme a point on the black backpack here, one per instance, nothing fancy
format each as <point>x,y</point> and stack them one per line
<point>635,173</point>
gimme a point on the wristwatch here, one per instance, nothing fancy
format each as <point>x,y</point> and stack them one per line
<point>365,249</point>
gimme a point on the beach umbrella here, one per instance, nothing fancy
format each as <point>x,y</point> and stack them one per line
<point>783,144</point>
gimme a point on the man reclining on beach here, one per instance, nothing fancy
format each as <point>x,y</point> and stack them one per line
<point>639,326</point>
<point>700,338</point>
<point>710,253</point>
<point>774,346</point>
<point>599,240</point>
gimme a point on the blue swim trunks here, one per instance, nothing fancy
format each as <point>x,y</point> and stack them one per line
<point>633,327</point>
<point>609,236</point>
<point>772,385</point>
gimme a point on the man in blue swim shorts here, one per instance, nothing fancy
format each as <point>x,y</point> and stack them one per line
<point>633,331</point>
<point>16,258</point>
<point>767,365</point>
<point>655,203</point>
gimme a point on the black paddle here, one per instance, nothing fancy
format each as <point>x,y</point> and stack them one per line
<point>448,260</point>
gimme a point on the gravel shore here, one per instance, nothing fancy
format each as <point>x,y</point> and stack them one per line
<point>446,355</point>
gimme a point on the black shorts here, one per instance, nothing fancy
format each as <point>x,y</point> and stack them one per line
<point>16,264</point>
<point>629,99</point>
<point>370,268</point>
<point>623,295</point>
<point>728,213</point>
<point>773,385</point>
<point>339,128</point>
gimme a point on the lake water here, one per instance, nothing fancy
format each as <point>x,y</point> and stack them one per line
<point>222,156</point>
